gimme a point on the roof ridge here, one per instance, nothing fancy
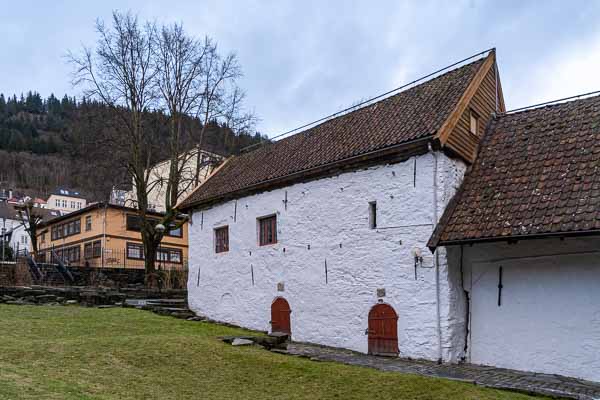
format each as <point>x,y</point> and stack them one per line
<point>401,122</point>
<point>523,189</point>
<point>380,98</point>
<point>553,103</point>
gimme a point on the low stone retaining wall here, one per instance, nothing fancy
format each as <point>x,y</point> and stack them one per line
<point>87,296</point>
<point>114,277</point>
<point>15,274</point>
<point>7,273</point>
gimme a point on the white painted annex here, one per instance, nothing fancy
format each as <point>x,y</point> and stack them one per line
<point>548,319</point>
<point>331,264</point>
<point>19,238</point>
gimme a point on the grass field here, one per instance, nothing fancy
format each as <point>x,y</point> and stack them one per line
<point>86,353</point>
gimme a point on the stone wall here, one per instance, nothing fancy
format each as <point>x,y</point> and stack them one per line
<point>7,273</point>
<point>14,274</point>
<point>88,296</point>
<point>548,319</point>
<point>328,264</point>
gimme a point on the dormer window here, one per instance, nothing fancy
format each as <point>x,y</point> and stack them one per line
<point>474,124</point>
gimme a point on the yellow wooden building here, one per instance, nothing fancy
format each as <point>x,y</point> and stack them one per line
<point>107,235</point>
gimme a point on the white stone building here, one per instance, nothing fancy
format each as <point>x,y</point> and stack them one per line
<point>522,229</point>
<point>325,234</point>
<point>333,223</point>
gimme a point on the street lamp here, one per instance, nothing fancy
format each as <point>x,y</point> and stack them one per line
<point>160,228</point>
<point>3,233</point>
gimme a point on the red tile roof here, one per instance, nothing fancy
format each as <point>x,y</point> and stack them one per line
<point>415,113</point>
<point>537,173</point>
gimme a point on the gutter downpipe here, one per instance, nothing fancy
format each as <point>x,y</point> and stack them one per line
<point>436,260</point>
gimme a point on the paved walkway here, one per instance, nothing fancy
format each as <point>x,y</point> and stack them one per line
<point>528,382</point>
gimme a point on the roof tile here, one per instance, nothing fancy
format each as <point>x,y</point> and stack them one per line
<point>412,114</point>
<point>536,173</point>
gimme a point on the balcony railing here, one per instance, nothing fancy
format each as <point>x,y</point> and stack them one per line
<point>106,258</point>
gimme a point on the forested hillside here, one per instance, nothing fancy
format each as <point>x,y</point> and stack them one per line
<point>45,143</point>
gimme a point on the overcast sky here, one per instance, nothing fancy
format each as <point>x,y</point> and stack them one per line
<point>303,60</point>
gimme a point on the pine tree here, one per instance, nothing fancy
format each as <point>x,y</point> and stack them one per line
<point>2,105</point>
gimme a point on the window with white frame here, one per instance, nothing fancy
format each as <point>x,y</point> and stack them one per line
<point>135,251</point>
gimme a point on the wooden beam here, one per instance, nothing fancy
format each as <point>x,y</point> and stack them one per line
<point>466,97</point>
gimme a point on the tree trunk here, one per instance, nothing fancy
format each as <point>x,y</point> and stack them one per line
<point>151,276</point>
<point>34,244</point>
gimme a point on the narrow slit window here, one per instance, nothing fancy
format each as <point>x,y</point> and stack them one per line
<point>222,239</point>
<point>474,125</point>
<point>267,230</point>
<point>373,215</point>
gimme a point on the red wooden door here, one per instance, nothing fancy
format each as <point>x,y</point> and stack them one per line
<point>383,330</point>
<point>280,316</point>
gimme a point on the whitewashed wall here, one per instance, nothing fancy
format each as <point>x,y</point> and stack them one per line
<point>19,239</point>
<point>549,318</point>
<point>331,216</point>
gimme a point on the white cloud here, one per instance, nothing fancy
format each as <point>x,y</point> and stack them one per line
<point>305,60</point>
<point>567,72</point>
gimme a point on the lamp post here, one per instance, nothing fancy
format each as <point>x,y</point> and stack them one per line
<point>160,228</point>
<point>3,233</point>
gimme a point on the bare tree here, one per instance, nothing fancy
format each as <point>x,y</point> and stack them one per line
<point>221,98</point>
<point>151,76</point>
<point>180,69</point>
<point>121,72</point>
<point>30,218</point>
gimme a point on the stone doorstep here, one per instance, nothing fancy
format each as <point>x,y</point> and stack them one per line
<point>269,342</point>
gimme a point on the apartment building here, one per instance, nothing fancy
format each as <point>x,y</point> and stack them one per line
<point>107,235</point>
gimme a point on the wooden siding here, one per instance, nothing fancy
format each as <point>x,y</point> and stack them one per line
<point>483,103</point>
<point>480,97</point>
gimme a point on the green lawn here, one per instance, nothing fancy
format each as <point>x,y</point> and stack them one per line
<point>86,353</point>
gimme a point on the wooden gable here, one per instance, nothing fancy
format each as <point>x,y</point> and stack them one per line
<point>482,98</point>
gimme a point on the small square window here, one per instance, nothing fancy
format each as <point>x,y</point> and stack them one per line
<point>222,239</point>
<point>474,123</point>
<point>267,230</point>
<point>373,215</point>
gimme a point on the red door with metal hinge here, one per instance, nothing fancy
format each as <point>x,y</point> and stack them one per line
<point>383,331</point>
<point>280,316</point>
